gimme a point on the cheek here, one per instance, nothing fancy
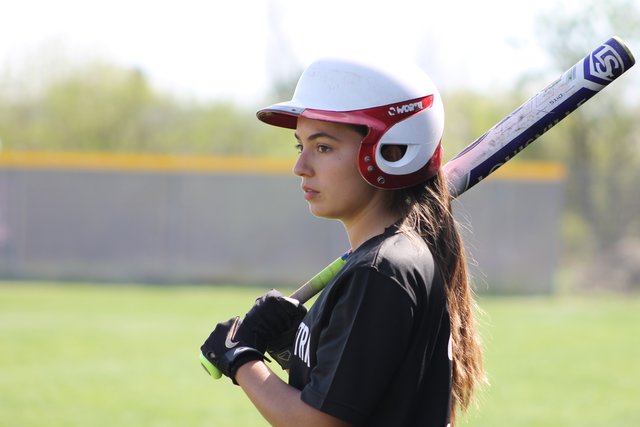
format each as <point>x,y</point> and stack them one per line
<point>345,178</point>
<point>354,187</point>
<point>349,169</point>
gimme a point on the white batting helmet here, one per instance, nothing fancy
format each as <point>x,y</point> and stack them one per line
<point>398,104</point>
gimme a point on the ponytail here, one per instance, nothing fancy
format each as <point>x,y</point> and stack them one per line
<point>426,210</point>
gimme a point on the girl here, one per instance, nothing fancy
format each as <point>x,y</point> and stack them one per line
<point>391,341</point>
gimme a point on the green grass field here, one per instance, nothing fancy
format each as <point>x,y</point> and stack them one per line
<point>88,355</point>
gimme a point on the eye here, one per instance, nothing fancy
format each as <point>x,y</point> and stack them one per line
<point>298,147</point>
<point>323,148</point>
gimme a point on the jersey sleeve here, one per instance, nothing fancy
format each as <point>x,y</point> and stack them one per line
<point>361,346</point>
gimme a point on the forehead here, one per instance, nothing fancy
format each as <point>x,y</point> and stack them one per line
<point>306,128</point>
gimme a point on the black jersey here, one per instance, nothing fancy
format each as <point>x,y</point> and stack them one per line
<point>374,349</point>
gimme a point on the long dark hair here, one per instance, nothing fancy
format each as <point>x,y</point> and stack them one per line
<point>425,209</point>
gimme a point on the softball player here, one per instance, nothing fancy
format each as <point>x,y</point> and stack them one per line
<point>391,341</point>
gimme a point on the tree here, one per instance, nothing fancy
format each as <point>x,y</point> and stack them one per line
<point>603,150</point>
<point>97,105</point>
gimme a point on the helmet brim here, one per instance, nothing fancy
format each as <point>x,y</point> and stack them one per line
<point>284,114</point>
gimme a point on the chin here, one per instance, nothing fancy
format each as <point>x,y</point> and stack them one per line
<point>321,213</point>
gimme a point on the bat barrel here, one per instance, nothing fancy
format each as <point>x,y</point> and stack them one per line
<point>538,114</point>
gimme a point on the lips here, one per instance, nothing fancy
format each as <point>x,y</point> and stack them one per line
<point>309,193</point>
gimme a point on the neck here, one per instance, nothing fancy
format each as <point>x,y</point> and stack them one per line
<point>371,222</point>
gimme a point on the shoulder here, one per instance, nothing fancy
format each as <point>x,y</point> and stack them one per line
<point>399,258</point>
<point>395,251</point>
<point>401,251</point>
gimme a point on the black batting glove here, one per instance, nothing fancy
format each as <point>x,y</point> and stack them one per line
<point>230,346</point>
<point>274,320</point>
<point>281,350</point>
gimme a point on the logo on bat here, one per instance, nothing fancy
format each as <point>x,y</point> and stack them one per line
<point>603,65</point>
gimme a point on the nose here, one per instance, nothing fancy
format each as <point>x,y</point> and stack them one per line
<point>302,166</point>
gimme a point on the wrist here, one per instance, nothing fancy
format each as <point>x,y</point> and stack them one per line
<point>253,369</point>
<point>241,356</point>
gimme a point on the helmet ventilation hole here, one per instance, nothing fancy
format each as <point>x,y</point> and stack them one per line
<point>393,152</point>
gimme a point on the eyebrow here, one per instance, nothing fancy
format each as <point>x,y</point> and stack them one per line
<point>318,135</point>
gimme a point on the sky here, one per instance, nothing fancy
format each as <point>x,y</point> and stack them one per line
<point>234,50</point>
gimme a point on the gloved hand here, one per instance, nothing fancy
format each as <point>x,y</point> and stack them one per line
<point>274,319</point>
<point>230,346</point>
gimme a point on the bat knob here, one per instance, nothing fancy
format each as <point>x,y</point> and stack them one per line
<point>210,368</point>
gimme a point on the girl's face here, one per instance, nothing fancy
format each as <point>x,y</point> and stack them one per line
<point>327,164</point>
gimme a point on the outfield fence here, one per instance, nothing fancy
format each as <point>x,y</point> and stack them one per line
<point>178,219</point>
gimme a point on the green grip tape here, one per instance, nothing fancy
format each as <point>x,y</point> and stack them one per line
<point>208,366</point>
<point>320,280</point>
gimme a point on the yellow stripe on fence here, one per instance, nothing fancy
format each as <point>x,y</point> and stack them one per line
<point>531,171</point>
<point>143,162</point>
<point>134,162</point>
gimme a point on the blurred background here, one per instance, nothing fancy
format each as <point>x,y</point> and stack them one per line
<point>130,149</point>
<point>130,153</point>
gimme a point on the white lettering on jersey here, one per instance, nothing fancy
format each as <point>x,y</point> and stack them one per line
<point>301,344</point>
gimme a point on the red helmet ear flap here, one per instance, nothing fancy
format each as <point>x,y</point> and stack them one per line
<point>380,179</point>
<point>434,164</point>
